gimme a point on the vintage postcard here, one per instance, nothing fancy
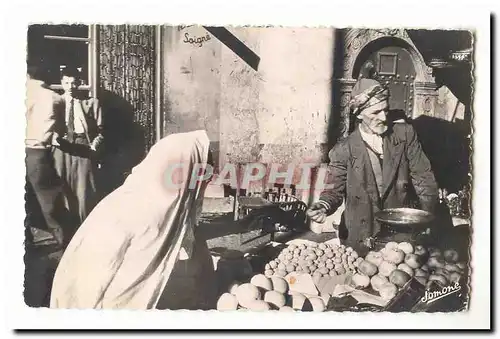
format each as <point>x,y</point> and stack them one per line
<point>250,169</point>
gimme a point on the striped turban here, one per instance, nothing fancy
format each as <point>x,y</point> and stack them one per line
<point>366,93</point>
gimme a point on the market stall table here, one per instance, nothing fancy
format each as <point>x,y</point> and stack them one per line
<point>339,293</point>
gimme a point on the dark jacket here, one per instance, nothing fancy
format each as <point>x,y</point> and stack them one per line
<point>406,170</point>
<point>92,121</point>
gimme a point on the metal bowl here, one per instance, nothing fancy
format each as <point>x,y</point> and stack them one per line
<point>404,217</point>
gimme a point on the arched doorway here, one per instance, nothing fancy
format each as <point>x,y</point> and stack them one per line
<point>392,66</point>
<point>356,48</point>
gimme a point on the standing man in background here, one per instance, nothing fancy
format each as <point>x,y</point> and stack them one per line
<point>44,108</point>
<point>76,155</point>
<point>44,208</point>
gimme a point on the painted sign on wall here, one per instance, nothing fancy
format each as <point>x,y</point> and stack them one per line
<point>196,40</point>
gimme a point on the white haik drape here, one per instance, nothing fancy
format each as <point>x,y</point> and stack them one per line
<point>124,253</point>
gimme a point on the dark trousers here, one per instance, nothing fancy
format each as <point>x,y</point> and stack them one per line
<point>43,211</point>
<point>77,168</point>
<point>46,187</point>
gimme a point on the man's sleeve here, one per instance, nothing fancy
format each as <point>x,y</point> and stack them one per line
<point>49,109</point>
<point>421,173</point>
<point>98,117</point>
<point>333,197</point>
<point>96,110</point>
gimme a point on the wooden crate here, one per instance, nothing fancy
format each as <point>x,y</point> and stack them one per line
<point>411,299</point>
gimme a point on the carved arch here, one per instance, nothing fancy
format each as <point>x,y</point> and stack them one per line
<point>359,42</point>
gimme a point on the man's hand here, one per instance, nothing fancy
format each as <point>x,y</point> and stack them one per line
<point>317,212</point>
<point>96,143</point>
<point>55,140</point>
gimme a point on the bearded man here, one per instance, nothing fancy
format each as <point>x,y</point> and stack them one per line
<point>380,165</point>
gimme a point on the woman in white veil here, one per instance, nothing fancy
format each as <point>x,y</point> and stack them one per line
<point>140,240</point>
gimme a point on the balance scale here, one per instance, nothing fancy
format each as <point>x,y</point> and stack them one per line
<point>402,225</point>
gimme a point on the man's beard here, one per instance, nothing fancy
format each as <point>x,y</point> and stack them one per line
<point>378,129</point>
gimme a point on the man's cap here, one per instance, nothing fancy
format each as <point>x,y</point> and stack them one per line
<point>363,93</point>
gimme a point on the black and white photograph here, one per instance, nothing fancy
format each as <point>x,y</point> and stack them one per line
<point>256,168</point>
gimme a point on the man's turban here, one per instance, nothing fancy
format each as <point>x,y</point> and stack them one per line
<point>366,93</point>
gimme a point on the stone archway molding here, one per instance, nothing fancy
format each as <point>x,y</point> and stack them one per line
<point>358,40</point>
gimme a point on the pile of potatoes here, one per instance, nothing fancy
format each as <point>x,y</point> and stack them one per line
<point>318,260</point>
<point>264,294</point>
<point>389,269</point>
<point>443,267</point>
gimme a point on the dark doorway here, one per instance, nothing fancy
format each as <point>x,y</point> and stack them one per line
<point>392,66</point>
